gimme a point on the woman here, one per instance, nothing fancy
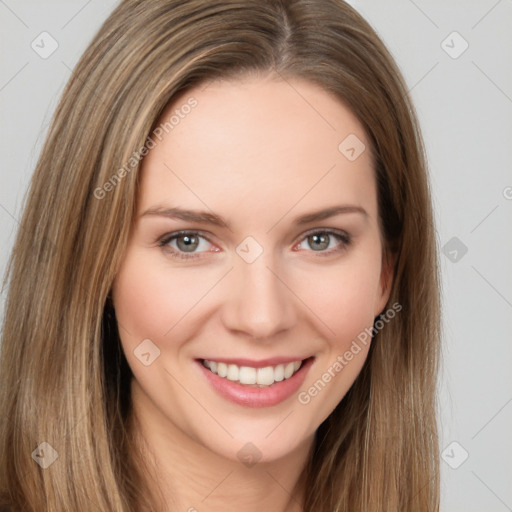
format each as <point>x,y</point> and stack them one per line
<point>224,290</point>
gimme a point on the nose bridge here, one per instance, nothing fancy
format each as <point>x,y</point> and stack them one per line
<point>259,304</point>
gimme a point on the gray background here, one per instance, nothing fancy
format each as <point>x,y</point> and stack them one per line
<point>464,101</point>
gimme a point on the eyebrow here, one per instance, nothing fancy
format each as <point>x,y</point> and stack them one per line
<point>217,220</point>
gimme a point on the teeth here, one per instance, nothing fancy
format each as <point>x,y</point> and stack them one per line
<point>265,376</point>
<point>247,375</point>
<point>222,369</point>
<point>232,372</point>
<point>288,370</point>
<point>279,373</point>
<point>262,377</point>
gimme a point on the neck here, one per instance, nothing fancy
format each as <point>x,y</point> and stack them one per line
<point>182,474</point>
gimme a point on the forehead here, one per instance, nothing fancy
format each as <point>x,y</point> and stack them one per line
<point>261,146</point>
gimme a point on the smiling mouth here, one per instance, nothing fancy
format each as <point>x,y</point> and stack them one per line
<point>255,377</point>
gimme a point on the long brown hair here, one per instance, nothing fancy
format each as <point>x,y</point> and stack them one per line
<point>63,376</point>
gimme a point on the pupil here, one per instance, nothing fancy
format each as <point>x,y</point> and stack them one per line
<point>187,243</point>
<point>321,241</point>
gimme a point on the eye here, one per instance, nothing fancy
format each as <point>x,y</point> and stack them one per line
<point>190,244</point>
<point>185,244</point>
<point>325,241</point>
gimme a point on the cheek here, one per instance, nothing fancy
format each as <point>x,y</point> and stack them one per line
<point>150,300</point>
<point>343,297</point>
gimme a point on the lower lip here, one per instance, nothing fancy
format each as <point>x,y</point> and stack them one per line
<point>249,396</point>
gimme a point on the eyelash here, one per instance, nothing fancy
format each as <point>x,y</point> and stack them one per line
<point>163,242</point>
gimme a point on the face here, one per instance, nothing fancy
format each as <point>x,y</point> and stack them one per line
<point>254,263</point>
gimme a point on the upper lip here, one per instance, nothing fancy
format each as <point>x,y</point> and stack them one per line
<point>262,363</point>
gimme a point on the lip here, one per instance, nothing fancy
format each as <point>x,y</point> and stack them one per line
<point>254,397</point>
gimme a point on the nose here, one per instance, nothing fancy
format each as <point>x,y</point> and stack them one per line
<point>259,303</point>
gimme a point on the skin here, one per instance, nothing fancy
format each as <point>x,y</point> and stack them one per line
<point>259,151</point>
